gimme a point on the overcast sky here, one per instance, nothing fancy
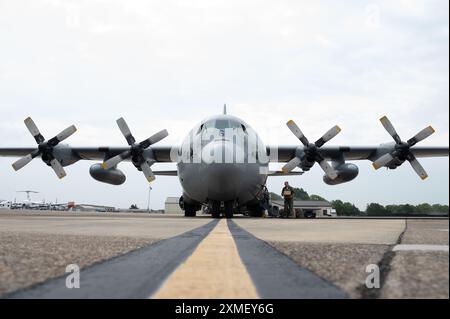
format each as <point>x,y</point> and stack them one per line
<point>168,64</point>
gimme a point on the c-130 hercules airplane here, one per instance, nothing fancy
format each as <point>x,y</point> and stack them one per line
<point>223,161</point>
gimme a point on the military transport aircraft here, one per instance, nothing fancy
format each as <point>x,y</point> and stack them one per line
<point>223,163</point>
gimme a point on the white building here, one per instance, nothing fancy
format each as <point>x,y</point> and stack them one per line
<point>172,206</point>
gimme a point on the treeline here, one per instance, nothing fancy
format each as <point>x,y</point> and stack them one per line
<point>375,209</point>
<point>372,209</point>
<point>346,208</point>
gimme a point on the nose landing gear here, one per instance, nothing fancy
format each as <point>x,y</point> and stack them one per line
<point>216,209</point>
<point>228,210</point>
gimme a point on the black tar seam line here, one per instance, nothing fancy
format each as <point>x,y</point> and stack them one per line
<point>385,268</point>
<point>288,281</point>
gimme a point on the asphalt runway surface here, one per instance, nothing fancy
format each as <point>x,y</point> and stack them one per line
<point>158,256</point>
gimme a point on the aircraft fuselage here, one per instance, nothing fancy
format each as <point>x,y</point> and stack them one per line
<point>222,159</point>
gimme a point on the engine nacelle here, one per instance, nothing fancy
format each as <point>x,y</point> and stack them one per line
<point>346,173</point>
<point>111,176</point>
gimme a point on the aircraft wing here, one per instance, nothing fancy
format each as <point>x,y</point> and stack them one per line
<point>353,153</point>
<point>332,159</point>
<point>166,173</point>
<point>306,154</point>
<point>61,155</point>
<point>159,153</point>
<point>16,151</point>
<point>281,173</point>
<point>391,155</point>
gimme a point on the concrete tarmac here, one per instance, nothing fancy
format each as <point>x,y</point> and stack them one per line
<point>145,256</point>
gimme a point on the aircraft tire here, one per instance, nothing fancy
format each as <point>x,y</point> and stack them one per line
<point>215,209</point>
<point>189,211</point>
<point>229,210</point>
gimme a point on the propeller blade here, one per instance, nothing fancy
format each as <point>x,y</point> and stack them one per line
<point>328,136</point>
<point>154,139</point>
<point>31,126</point>
<point>297,132</point>
<point>390,129</point>
<point>57,167</point>
<point>116,160</point>
<point>66,133</point>
<point>418,168</point>
<point>123,126</point>
<point>383,161</point>
<point>426,132</point>
<point>62,136</point>
<point>21,163</point>
<point>328,169</point>
<point>145,167</point>
<point>293,163</point>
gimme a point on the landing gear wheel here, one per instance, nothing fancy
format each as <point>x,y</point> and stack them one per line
<point>229,210</point>
<point>256,211</point>
<point>190,213</point>
<point>215,209</point>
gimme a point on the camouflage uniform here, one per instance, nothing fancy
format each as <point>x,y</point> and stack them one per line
<point>288,201</point>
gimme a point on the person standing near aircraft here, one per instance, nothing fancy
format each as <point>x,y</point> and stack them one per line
<point>288,194</point>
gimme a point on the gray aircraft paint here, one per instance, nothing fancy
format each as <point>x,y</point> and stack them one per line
<point>213,166</point>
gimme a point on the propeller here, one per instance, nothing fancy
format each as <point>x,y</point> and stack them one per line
<point>311,151</point>
<point>136,150</point>
<point>402,150</point>
<point>45,148</point>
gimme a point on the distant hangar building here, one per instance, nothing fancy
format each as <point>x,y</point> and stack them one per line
<point>172,206</point>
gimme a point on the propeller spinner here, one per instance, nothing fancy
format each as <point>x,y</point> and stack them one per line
<point>402,149</point>
<point>45,148</point>
<point>136,150</point>
<point>311,150</point>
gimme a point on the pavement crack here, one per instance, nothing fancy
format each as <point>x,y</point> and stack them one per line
<point>385,268</point>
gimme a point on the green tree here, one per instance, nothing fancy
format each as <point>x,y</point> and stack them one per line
<point>375,209</point>
<point>408,210</point>
<point>274,196</point>
<point>437,208</point>
<point>300,194</point>
<point>391,209</point>
<point>424,208</point>
<point>316,198</point>
<point>345,209</point>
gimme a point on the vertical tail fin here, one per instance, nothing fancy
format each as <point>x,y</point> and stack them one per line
<point>224,109</point>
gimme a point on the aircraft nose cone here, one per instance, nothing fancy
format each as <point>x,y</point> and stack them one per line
<point>217,152</point>
<point>224,177</point>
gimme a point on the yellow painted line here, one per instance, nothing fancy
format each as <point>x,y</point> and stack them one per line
<point>214,270</point>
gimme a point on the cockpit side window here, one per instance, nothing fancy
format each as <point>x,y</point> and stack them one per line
<point>200,129</point>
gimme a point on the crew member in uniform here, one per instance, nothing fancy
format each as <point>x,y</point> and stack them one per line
<point>288,194</point>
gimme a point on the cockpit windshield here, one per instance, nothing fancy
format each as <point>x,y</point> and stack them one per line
<point>222,124</point>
